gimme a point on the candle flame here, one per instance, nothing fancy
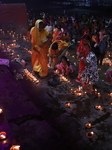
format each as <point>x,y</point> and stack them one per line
<point>15,147</point>
<point>88,125</point>
<point>1,110</point>
<point>67,104</point>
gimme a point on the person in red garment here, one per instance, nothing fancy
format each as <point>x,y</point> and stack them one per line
<point>82,52</point>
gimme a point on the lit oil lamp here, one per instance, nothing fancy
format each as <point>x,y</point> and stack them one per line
<point>14,44</point>
<point>110,94</point>
<point>11,54</point>
<point>1,111</point>
<point>67,104</point>
<point>88,125</point>
<point>95,91</point>
<point>79,94</point>
<point>99,95</point>
<point>30,76</point>
<point>72,91</point>
<point>90,134</point>
<point>85,92</point>
<point>15,147</point>
<point>98,107</point>
<point>3,135</point>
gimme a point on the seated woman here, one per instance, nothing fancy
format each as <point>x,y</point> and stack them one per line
<point>55,50</point>
<point>64,67</point>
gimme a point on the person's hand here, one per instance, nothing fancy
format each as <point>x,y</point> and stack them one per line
<point>34,48</point>
<point>54,56</point>
<point>56,72</point>
<point>41,45</point>
<point>81,58</point>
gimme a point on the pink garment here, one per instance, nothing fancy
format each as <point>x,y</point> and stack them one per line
<point>64,69</point>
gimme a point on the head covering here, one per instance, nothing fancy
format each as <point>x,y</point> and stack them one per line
<point>37,37</point>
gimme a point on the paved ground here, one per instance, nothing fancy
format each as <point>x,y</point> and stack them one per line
<point>28,119</point>
<point>35,115</point>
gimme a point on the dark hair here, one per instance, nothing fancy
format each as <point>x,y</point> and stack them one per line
<point>87,37</point>
<point>65,58</point>
<point>54,46</point>
<point>42,23</point>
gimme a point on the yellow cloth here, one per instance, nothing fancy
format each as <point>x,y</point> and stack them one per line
<point>39,59</point>
<point>61,46</point>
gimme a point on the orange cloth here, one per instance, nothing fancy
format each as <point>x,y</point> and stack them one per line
<point>54,54</point>
<point>40,58</point>
<point>61,46</point>
<point>95,39</point>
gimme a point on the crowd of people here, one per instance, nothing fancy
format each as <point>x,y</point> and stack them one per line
<point>51,35</point>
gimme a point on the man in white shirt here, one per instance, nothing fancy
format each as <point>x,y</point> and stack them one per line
<point>49,28</point>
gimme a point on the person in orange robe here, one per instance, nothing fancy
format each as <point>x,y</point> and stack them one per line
<point>40,40</point>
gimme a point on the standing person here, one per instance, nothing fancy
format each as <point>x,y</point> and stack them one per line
<point>94,45</point>
<point>103,48</point>
<point>90,73</point>
<point>82,51</point>
<point>49,27</point>
<point>102,32</point>
<point>40,40</point>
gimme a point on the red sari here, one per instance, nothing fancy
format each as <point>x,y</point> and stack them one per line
<point>84,51</point>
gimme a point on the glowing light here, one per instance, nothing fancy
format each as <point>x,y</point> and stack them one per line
<point>90,134</point>
<point>67,104</point>
<point>30,76</point>
<point>1,111</point>
<point>2,135</point>
<point>15,147</point>
<point>88,125</point>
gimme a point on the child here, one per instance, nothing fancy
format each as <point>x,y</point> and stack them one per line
<point>64,68</point>
<point>109,75</point>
